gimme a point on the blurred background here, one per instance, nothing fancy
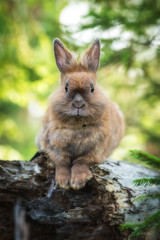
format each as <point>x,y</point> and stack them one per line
<point>129,70</point>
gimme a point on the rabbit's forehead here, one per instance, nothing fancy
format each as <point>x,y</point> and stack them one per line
<point>80,79</point>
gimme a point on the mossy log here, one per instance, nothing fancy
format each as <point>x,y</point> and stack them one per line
<point>92,213</point>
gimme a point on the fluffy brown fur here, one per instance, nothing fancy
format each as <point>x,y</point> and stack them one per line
<point>81,126</point>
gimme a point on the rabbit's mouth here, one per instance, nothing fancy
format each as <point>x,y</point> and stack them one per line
<point>78,112</point>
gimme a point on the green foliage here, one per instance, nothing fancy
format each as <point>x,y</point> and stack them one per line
<point>146,182</point>
<point>129,33</point>
<point>128,226</point>
<point>146,157</point>
<point>153,220</point>
<point>139,229</point>
<point>28,73</point>
<point>147,196</point>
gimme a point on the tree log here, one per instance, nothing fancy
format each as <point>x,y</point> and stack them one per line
<point>92,213</point>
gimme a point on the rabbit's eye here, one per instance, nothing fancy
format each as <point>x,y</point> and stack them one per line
<point>66,87</point>
<point>92,88</point>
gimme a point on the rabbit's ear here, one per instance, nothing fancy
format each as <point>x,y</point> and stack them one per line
<point>62,55</point>
<point>92,55</point>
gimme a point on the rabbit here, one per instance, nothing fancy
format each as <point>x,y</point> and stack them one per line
<point>81,126</point>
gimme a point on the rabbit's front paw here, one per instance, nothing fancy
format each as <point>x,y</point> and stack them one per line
<point>63,176</point>
<point>80,174</point>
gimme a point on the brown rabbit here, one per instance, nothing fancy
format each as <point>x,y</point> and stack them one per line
<point>81,126</point>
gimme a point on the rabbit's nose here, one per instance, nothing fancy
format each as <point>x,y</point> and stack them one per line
<point>78,101</point>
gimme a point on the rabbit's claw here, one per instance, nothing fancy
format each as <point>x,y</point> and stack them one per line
<point>79,178</point>
<point>63,178</point>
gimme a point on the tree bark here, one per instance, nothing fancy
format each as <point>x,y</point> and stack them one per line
<point>92,213</point>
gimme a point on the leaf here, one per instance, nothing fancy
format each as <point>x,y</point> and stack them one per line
<point>128,226</point>
<point>146,181</point>
<point>147,196</point>
<point>138,229</point>
<point>146,157</point>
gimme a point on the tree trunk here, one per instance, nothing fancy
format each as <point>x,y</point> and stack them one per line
<point>92,213</point>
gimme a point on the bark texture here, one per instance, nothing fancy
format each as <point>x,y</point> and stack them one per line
<point>92,213</point>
